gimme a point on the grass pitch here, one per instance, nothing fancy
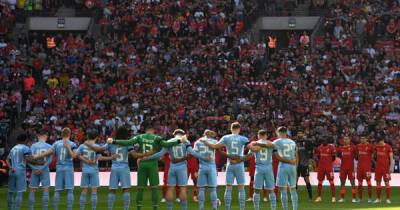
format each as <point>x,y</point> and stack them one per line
<point>303,201</point>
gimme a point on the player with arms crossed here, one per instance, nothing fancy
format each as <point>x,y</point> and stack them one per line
<point>177,174</point>
<point>364,152</point>
<point>90,169</point>
<point>287,169</point>
<point>16,160</point>
<point>41,174</point>
<point>347,153</point>
<point>304,150</point>
<point>384,166</point>
<point>120,172</point>
<point>326,155</point>
<point>147,169</point>
<point>234,144</point>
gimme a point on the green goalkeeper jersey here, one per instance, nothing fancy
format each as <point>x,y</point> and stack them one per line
<point>148,142</point>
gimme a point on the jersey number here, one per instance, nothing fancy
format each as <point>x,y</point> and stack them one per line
<point>41,151</point>
<point>287,149</point>
<point>89,155</point>
<point>234,148</point>
<point>263,154</point>
<point>118,151</point>
<point>147,147</point>
<point>178,152</point>
<point>63,153</point>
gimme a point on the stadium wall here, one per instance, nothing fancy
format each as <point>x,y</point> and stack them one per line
<point>104,179</point>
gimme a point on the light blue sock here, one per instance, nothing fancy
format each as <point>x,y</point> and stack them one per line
<point>18,201</point>
<point>256,200</point>
<point>214,198</point>
<point>127,200</point>
<point>56,200</point>
<point>170,205</point>
<point>295,199</point>
<point>93,198</point>
<point>82,201</point>
<point>272,200</point>
<point>228,198</point>
<point>242,199</point>
<point>184,205</point>
<point>202,192</point>
<point>111,199</point>
<point>10,200</point>
<point>70,199</point>
<point>284,200</point>
<point>46,199</point>
<point>31,199</point>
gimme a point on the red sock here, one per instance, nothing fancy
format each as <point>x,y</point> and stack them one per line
<point>276,191</point>
<point>333,189</point>
<point>265,193</point>
<point>342,192</point>
<point>369,189</point>
<point>360,189</point>
<point>319,188</point>
<point>195,191</point>
<point>353,192</point>
<point>177,190</point>
<point>378,191</point>
<point>251,186</point>
<point>387,191</point>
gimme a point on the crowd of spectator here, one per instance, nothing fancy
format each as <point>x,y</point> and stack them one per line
<point>187,64</point>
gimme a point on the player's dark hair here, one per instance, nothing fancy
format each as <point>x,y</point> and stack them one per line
<point>178,131</point>
<point>122,133</point>
<point>91,134</point>
<point>235,126</point>
<point>262,132</point>
<point>21,138</point>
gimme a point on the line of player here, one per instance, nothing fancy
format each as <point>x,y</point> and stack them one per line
<point>148,148</point>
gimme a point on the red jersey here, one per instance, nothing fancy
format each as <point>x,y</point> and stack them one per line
<point>348,154</point>
<point>324,154</point>
<point>365,152</point>
<point>383,156</point>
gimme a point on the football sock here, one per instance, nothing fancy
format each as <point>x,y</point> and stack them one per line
<point>70,199</point>
<point>242,198</point>
<point>295,199</point>
<point>127,200</point>
<point>82,201</point>
<point>272,200</point>
<point>31,199</point>
<point>201,198</point>
<point>46,200</point>
<point>18,201</point>
<point>256,200</point>
<point>214,198</point>
<point>93,199</point>
<point>56,200</point>
<point>111,199</point>
<point>284,200</point>
<point>228,198</point>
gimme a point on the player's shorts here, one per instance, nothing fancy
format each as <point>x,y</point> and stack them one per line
<point>287,176</point>
<point>363,174</point>
<point>264,178</point>
<point>148,172</point>
<point>303,171</point>
<point>382,174</point>
<point>90,180</point>
<point>346,173</point>
<point>235,171</point>
<point>207,177</point>
<point>17,181</point>
<point>43,179</point>
<point>177,175</point>
<point>64,179</point>
<point>120,176</point>
<point>322,172</point>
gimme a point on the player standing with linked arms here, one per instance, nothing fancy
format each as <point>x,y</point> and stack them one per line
<point>234,144</point>
<point>364,151</point>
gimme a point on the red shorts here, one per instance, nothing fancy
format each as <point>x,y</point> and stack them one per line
<point>322,172</point>
<point>379,174</point>
<point>363,174</point>
<point>346,173</point>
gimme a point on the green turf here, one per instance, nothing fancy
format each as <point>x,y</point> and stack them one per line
<point>304,204</point>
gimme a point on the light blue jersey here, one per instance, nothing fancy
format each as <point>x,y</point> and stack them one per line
<point>122,151</point>
<point>207,169</point>
<point>120,172</point>
<point>17,179</point>
<point>88,154</point>
<point>234,144</point>
<point>64,168</point>
<point>64,159</point>
<point>264,177</point>
<point>44,177</point>
<point>287,173</point>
